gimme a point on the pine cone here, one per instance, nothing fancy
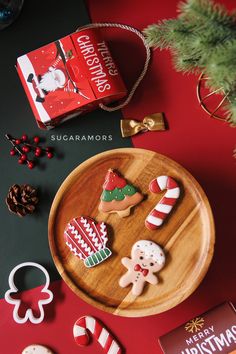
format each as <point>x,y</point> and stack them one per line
<point>21,200</point>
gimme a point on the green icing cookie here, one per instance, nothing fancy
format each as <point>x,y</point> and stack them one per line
<point>106,196</point>
<point>118,193</point>
<point>129,190</point>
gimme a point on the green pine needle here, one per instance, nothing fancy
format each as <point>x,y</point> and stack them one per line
<point>232,111</point>
<point>202,39</point>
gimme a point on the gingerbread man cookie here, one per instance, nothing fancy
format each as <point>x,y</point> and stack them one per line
<point>146,259</point>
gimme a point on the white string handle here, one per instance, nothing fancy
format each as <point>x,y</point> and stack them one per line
<point>142,74</point>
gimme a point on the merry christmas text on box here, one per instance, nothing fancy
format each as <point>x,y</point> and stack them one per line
<point>213,332</point>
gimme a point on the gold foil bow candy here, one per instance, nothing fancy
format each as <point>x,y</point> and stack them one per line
<point>153,122</point>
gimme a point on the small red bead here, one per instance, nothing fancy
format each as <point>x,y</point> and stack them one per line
<point>50,155</point>
<point>17,141</point>
<point>12,152</point>
<point>36,139</point>
<point>20,161</point>
<point>26,148</point>
<point>24,137</point>
<point>24,157</point>
<point>30,165</point>
<point>38,150</point>
<point>37,154</point>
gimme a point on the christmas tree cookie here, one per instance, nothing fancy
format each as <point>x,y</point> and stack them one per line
<point>118,196</point>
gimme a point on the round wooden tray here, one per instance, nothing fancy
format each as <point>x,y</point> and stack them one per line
<point>187,236</point>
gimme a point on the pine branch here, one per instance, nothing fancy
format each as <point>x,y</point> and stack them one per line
<point>161,35</point>
<point>232,110</point>
<point>202,39</point>
<point>206,11</point>
<point>221,67</point>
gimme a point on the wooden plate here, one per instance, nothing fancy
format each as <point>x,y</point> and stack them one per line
<point>187,236</point>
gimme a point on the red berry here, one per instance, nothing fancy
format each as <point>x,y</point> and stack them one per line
<point>26,148</point>
<point>20,161</point>
<point>30,164</point>
<point>12,152</point>
<point>49,149</point>
<point>17,141</point>
<point>36,139</point>
<point>50,155</point>
<point>24,157</point>
<point>38,152</point>
<point>24,137</point>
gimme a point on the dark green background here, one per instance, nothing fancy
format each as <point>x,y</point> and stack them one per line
<point>25,239</point>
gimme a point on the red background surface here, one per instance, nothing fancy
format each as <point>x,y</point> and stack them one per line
<point>202,145</point>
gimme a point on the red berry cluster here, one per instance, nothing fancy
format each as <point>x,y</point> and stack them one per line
<point>23,146</point>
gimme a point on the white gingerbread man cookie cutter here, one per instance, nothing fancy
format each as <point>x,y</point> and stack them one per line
<point>17,302</point>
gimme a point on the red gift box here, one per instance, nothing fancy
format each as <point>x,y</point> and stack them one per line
<point>70,76</point>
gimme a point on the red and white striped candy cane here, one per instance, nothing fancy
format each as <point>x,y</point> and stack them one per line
<point>106,340</point>
<point>157,216</point>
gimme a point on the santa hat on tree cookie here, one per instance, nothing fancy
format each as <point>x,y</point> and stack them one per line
<point>118,196</point>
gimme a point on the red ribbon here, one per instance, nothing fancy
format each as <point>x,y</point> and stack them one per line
<point>138,268</point>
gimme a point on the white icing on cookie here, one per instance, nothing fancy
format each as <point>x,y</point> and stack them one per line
<point>36,349</point>
<point>150,249</point>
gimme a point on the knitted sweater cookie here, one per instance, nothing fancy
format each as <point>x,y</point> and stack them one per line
<point>87,240</point>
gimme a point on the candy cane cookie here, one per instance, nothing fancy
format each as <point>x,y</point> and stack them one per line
<point>163,208</point>
<point>99,332</point>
